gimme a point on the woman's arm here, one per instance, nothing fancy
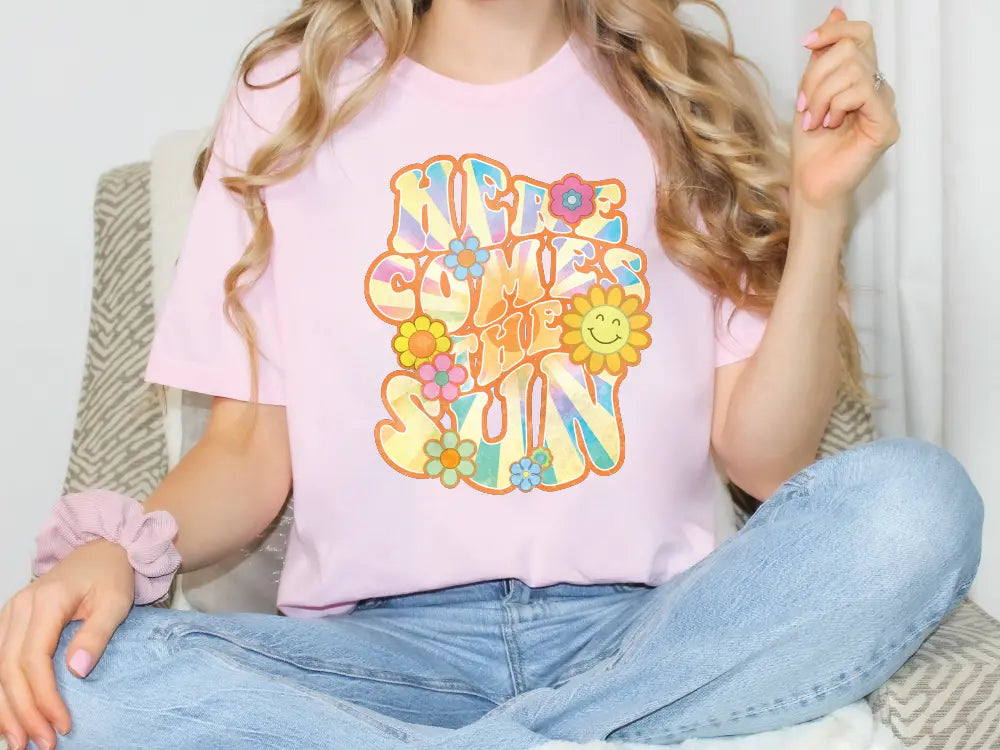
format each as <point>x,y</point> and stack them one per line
<point>231,485</point>
<point>771,410</point>
<point>225,492</point>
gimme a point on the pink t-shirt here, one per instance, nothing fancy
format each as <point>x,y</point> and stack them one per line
<point>491,369</point>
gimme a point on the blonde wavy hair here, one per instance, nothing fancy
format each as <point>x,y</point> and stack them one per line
<point>717,144</point>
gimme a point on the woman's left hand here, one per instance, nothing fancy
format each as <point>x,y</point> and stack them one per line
<point>843,125</point>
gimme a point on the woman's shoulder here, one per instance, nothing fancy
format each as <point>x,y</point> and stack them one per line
<point>260,101</point>
<point>266,96</point>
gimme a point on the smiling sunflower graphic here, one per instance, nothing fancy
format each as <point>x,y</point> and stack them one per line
<point>606,329</point>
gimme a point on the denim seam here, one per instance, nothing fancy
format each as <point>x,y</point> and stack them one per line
<point>880,657</point>
<point>392,678</point>
<point>641,628</point>
<point>369,717</point>
<point>586,666</point>
<point>511,648</point>
<point>345,706</point>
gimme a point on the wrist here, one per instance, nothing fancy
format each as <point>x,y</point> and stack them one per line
<point>817,230</point>
<point>832,215</point>
<point>145,539</point>
<point>108,549</point>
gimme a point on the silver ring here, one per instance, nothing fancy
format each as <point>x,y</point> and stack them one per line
<point>879,79</point>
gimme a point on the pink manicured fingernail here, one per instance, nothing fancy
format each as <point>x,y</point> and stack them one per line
<point>826,120</point>
<point>807,121</point>
<point>809,38</point>
<point>802,102</point>
<point>81,663</point>
<point>10,742</point>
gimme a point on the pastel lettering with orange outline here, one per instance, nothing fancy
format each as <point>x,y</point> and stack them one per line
<point>515,309</point>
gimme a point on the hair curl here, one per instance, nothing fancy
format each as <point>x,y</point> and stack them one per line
<point>719,150</point>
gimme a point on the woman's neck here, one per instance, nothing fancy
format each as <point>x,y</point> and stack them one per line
<point>488,41</point>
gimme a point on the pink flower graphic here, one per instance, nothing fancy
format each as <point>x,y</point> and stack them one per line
<point>572,199</point>
<point>441,378</point>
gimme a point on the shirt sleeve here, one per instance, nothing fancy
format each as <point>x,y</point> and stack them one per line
<point>738,335</point>
<point>195,348</point>
<point>737,332</point>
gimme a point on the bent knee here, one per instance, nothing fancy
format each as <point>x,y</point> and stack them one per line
<point>915,509</point>
<point>921,489</point>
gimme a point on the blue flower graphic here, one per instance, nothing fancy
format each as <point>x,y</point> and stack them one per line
<point>524,474</point>
<point>571,200</point>
<point>466,258</point>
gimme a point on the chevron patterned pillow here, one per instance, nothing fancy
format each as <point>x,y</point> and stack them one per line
<point>119,442</point>
<point>850,424</point>
<point>947,696</point>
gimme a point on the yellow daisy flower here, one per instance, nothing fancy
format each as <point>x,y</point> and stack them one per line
<point>419,340</point>
<point>606,329</point>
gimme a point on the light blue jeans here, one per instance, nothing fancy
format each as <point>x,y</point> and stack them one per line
<point>832,585</point>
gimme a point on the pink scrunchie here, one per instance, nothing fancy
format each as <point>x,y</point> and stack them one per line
<point>148,538</point>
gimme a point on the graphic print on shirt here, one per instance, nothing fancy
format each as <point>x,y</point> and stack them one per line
<point>517,311</point>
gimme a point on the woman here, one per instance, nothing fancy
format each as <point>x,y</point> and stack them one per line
<point>445,257</point>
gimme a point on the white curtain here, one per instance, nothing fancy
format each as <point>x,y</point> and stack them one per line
<point>924,261</point>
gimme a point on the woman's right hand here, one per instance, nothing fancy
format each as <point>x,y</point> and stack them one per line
<point>222,494</point>
<point>95,584</point>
